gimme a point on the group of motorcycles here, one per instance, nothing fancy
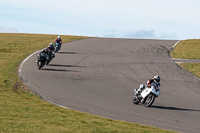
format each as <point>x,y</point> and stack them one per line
<point>44,58</point>
<point>145,96</point>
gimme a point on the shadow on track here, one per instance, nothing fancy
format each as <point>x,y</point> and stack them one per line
<point>61,70</point>
<point>64,65</point>
<point>68,53</point>
<point>173,108</point>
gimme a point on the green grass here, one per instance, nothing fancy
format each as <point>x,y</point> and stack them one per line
<point>193,68</point>
<point>188,49</point>
<point>22,111</point>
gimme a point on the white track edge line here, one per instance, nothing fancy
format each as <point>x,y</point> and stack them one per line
<point>176,43</point>
<point>20,68</point>
<point>26,60</point>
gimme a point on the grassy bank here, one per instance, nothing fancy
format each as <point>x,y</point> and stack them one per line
<point>22,111</point>
<point>188,49</point>
<point>192,68</point>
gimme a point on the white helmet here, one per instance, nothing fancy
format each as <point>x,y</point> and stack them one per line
<point>156,78</point>
<point>58,37</point>
<point>51,44</point>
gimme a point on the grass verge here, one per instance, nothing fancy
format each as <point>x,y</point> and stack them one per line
<point>191,67</point>
<point>188,49</point>
<point>22,111</point>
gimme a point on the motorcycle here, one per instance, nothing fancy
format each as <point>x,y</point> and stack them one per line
<point>41,60</point>
<point>147,96</point>
<point>57,47</point>
<point>50,56</point>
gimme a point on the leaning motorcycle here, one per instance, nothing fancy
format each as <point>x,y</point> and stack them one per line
<point>147,96</point>
<point>57,47</point>
<point>41,60</point>
<point>50,56</point>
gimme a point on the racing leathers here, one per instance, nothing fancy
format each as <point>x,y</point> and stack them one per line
<point>58,41</point>
<point>44,54</point>
<point>152,82</point>
<point>51,51</point>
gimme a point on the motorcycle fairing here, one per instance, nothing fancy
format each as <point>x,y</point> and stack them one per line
<point>147,91</point>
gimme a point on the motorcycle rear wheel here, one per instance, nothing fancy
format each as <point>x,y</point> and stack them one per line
<point>149,100</point>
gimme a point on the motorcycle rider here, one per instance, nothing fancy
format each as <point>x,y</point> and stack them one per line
<point>154,81</point>
<point>51,50</point>
<point>58,41</point>
<point>43,53</point>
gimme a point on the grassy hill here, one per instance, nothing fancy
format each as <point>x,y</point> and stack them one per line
<point>22,111</point>
<point>188,49</point>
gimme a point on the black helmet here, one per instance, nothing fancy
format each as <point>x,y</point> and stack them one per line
<point>44,50</point>
<point>156,78</point>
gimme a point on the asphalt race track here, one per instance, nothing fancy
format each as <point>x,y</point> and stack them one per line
<point>98,75</point>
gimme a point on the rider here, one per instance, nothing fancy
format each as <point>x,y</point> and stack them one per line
<point>58,42</point>
<point>154,81</point>
<point>44,53</point>
<point>51,50</point>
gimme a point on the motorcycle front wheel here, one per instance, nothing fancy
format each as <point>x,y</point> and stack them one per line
<point>39,63</point>
<point>149,100</point>
<point>48,61</point>
<point>56,49</point>
<point>135,100</point>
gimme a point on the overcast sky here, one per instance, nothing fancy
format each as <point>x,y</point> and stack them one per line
<point>146,19</point>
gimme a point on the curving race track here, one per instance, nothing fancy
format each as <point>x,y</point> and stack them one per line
<point>98,75</point>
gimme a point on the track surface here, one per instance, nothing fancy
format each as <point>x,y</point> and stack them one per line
<point>98,75</point>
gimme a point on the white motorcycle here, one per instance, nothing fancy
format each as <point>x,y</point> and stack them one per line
<point>146,96</point>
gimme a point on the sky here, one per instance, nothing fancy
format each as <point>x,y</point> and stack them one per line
<point>137,19</point>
